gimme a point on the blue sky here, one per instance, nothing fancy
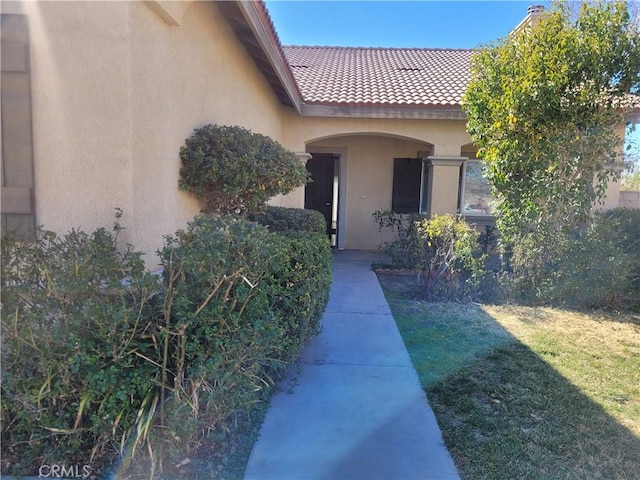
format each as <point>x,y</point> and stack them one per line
<point>391,23</point>
<point>435,24</point>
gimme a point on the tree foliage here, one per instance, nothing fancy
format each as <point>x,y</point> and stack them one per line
<point>631,181</point>
<point>542,107</point>
<point>233,170</point>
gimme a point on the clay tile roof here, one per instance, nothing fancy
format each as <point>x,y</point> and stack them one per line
<point>380,76</point>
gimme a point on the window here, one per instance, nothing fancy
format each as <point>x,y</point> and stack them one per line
<point>409,185</point>
<point>475,191</point>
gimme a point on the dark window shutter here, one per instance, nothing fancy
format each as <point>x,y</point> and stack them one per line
<point>406,185</point>
<point>18,203</point>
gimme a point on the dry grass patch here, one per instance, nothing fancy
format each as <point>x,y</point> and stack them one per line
<point>536,393</point>
<point>597,352</point>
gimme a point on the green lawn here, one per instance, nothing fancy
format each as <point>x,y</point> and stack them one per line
<point>527,392</point>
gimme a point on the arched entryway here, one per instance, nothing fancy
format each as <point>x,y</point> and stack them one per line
<point>353,176</point>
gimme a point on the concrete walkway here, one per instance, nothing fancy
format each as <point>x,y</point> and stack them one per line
<point>353,409</point>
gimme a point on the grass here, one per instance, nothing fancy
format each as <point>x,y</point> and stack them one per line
<point>536,393</point>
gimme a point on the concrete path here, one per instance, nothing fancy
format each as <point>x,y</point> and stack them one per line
<point>353,409</point>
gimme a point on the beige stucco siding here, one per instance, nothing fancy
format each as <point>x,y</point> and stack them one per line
<point>201,75</point>
<point>446,136</point>
<point>116,90</point>
<point>80,99</point>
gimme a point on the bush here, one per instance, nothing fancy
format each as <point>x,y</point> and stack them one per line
<point>443,250</point>
<point>596,266</point>
<point>99,369</point>
<point>625,234</point>
<point>243,302</point>
<point>281,219</point>
<point>451,265</point>
<point>304,274</point>
<point>301,292</point>
<point>404,250</point>
<point>79,374</point>
<point>226,337</point>
<point>233,170</point>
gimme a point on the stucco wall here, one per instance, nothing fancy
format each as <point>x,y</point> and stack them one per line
<point>116,90</point>
<point>446,136</point>
<point>629,199</point>
<point>201,74</point>
<point>79,55</point>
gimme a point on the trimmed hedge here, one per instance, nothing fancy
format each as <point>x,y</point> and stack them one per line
<point>302,290</point>
<point>282,219</point>
<point>143,372</point>
<point>307,266</point>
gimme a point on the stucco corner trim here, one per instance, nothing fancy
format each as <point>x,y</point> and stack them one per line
<point>171,12</point>
<point>436,161</point>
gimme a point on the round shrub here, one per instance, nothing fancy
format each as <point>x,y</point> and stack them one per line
<point>232,170</point>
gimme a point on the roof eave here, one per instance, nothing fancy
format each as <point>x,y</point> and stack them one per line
<point>412,112</point>
<point>268,49</point>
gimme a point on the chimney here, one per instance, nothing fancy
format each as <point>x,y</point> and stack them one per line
<point>534,12</point>
<point>535,9</point>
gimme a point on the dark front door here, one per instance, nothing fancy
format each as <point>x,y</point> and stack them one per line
<point>319,194</point>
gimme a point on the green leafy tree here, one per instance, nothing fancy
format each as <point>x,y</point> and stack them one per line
<point>542,107</point>
<point>631,181</point>
<point>234,171</point>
